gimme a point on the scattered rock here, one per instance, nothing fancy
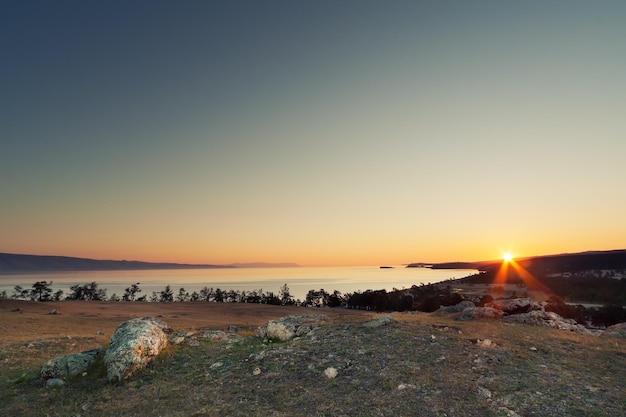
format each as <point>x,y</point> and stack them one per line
<point>287,328</point>
<point>71,365</point>
<point>54,311</point>
<point>534,349</point>
<point>177,340</point>
<point>330,373</point>
<point>233,329</point>
<point>474,313</point>
<point>99,332</point>
<point>216,365</point>
<point>256,371</point>
<point>381,321</point>
<point>134,344</point>
<point>485,343</point>
<point>617,330</point>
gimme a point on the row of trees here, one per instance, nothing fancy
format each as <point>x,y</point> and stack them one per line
<point>42,291</point>
<point>426,298</point>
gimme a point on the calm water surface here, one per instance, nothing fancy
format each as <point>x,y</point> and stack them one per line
<point>300,280</point>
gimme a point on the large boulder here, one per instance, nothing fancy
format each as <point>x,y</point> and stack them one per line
<point>288,327</point>
<point>473,313</point>
<point>71,365</point>
<point>515,305</point>
<point>134,344</point>
<point>617,330</point>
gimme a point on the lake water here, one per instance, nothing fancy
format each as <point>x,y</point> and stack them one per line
<point>299,280</point>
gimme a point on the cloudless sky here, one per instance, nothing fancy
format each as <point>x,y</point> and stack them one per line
<point>315,132</point>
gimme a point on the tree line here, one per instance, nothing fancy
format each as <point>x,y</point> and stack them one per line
<point>426,298</point>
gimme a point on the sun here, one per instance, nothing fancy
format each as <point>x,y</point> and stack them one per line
<point>507,257</point>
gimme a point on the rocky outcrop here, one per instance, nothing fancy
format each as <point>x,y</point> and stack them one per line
<point>288,327</point>
<point>474,313</point>
<point>522,310</point>
<point>456,308</point>
<point>71,365</point>
<point>134,344</point>
<point>515,305</point>
<point>381,321</point>
<point>547,319</point>
<point>617,330</point>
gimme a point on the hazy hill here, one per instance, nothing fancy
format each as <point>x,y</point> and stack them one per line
<point>12,263</point>
<point>568,262</point>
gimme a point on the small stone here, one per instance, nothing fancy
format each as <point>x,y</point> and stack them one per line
<point>54,382</point>
<point>54,311</point>
<point>440,359</point>
<point>256,371</point>
<point>330,373</point>
<point>534,349</point>
<point>484,343</point>
<point>233,329</point>
<point>216,365</point>
<point>178,340</point>
<point>484,393</point>
<point>99,332</point>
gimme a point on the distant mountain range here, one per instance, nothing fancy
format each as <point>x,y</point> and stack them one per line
<point>567,262</point>
<point>17,263</point>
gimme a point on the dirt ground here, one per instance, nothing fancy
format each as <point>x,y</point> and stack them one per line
<point>25,321</point>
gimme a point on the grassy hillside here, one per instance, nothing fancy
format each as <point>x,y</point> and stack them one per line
<point>418,365</point>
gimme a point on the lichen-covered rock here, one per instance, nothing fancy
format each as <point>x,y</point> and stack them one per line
<point>474,313</point>
<point>456,308</point>
<point>381,321</point>
<point>134,344</point>
<point>515,305</point>
<point>617,330</point>
<point>547,319</point>
<point>70,365</point>
<point>287,328</point>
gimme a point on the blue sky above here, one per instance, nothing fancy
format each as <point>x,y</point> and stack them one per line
<point>312,132</point>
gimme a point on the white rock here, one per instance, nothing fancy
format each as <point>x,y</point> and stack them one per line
<point>330,373</point>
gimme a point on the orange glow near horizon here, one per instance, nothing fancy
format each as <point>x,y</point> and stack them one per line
<point>527,278</point>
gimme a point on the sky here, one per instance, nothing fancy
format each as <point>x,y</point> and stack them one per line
<point>314,132</point>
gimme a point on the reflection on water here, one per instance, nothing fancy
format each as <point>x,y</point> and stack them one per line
<point>300,280</point>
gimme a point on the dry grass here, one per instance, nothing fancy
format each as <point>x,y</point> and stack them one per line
<point>420,365</point>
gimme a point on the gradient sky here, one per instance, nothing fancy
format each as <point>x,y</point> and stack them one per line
<point>321,132</point>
